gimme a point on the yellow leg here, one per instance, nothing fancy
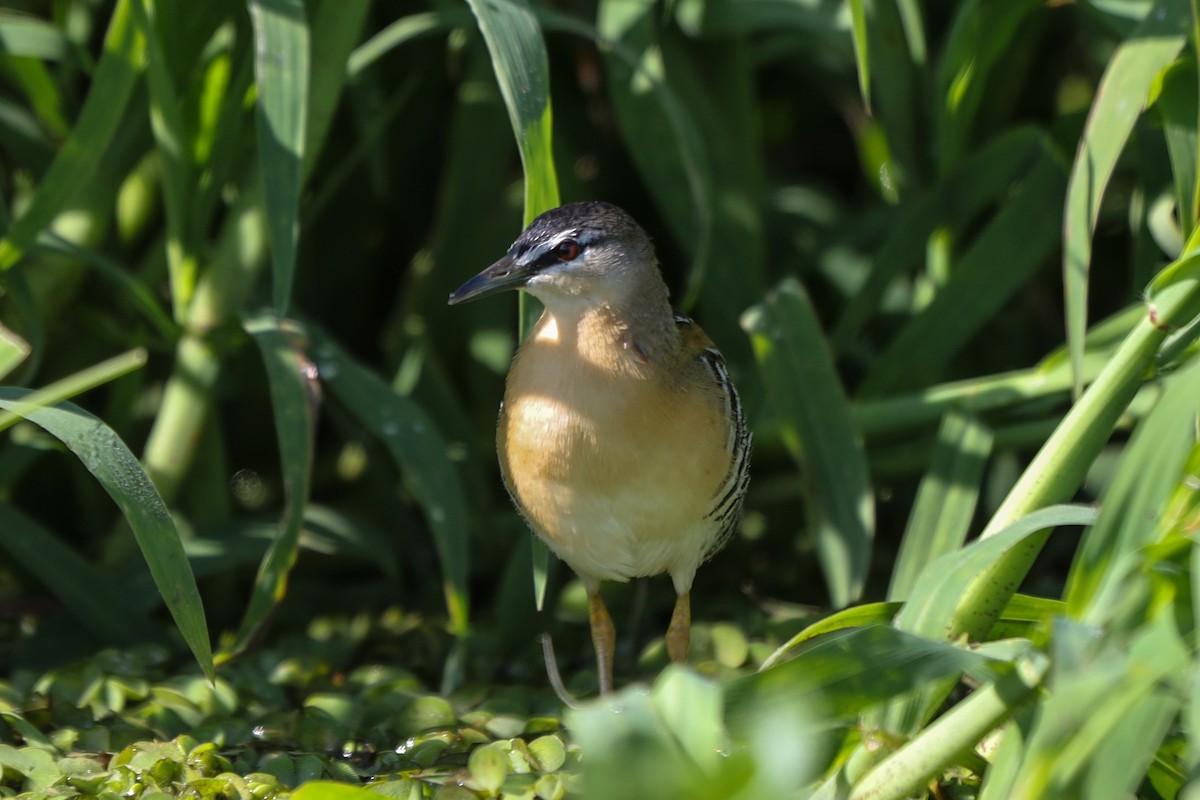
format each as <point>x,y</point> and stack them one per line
<point>604,638</point>
<point>680,629</point>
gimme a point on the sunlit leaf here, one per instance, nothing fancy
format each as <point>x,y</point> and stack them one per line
<point>808,400</point>
<point>118,471</point>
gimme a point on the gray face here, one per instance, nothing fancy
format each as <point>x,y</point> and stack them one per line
<point>574,252</point>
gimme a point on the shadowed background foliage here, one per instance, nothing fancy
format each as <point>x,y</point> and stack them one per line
<point>946,248</point>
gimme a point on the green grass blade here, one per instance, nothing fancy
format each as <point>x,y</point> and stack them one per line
<point>173,142</point>
<point>518,52</point>
<point>409,436</point>
<point>89,378</point>
<point>935,606</point>
<point>980,36</point>
<point>1138,495</point>
<point>946,499</point>
<point>111,88</point>
<point>1000,261</point>
<point>939,588</point>
<point>30,37</point>
<point>401,32</point>
<point>82,590</point>
<point>1123,757</point>
<point>295,394</point>
<point>803,386</point>
<point>1061,464</point>
<point>1120,98</point>
<point>1111,692</point>
<point>852,670</point>
<point>1022,611</point>
<point>13,350</point>
<point>907,771</point>
<point>895,36</point>
<point>857,616</point>
<point>862,55</point>
<point>118,471</point>
<point>1178,109</point>
<point>689,133</point>
<point>514,40</point>
<point>281,70</point>
<point>954,203</point>
<point>341,27</point>
<point>140,295</point>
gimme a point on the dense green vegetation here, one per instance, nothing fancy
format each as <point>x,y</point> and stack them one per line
<point>253,538</point>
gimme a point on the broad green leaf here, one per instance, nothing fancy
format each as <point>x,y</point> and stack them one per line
<point>1027,608</point>
<point>1018,614</point>
<point>667,740</point>
<point>1102,691</point>
<point>118,471</point>
<point>1122,758</point>
<point>908,771</point>
<point>945,504</point>
<point>850,671</point>
<point>409,436</point>
<point>862,55</point>
<point>29,37</point>
<point>13,350</point>
<point>281,71</point>
<point>981,34</point>
<point>514,40</point>
<point>78,383</point>
<point>999,262</point>
<point>92,599</point>
<point>401,32</point>
<point>941,585</point>
<point>958,589</point>
<point>798,370</point>
<point>1178,109</point>
<point>1150,469</point>
<point>895,43</point>
<point>522,70</point>
<point>176,170</point>
<point>954,203</point>
<point>112,86</point>
<point>1123,92</point>
<point>341,27</point>
<point>688,126</point>
<point>141,296</point>
<point>295,395</point>
<point>37,83</point>
<point>853,617</point>
<point>1059,467</point>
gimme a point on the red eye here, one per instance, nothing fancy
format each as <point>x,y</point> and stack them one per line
<point>567,251</point>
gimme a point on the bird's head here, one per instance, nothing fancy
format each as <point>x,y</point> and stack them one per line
<point>580,254</point>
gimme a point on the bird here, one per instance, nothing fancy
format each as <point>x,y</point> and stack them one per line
<point>621,439</point>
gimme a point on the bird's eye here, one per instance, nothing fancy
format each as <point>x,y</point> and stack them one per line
<point>567,250</point>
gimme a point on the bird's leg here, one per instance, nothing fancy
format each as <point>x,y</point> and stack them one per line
<point>604,638</point>
<point>679,631</point>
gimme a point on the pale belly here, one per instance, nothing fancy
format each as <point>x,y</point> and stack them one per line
<point>634,502</point>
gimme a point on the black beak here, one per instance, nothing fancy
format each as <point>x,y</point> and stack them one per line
<point>504,274</point>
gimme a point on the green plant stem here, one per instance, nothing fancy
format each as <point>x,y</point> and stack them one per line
<point>904,772</point>
<point>176,431</point>
<point>1059,468</point>
<point>240,256</point>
